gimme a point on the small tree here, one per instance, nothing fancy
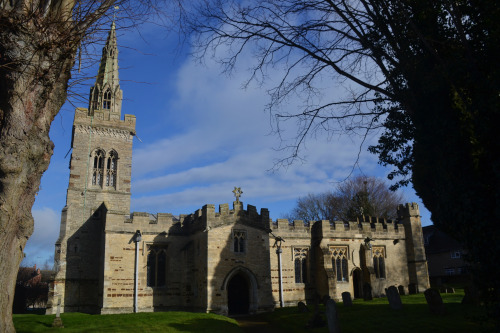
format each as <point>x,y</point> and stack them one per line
<point>352,198</point>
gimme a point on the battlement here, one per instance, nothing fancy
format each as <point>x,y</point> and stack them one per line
<point>408,210</point>
<point>364,224</point>
<point>201,220</point>
<point>82,117</point>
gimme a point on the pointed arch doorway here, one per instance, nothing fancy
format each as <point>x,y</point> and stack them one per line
<point>238,295</point>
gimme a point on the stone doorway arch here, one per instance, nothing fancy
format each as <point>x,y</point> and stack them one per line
<point>241,290</point>
<point>357,283</point>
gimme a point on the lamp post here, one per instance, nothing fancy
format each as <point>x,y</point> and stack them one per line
<point>137,239</point>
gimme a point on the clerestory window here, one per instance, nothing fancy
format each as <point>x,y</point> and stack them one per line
<point>379,262</point>
<point>300,261</point>
<point>157,266</point>
<point>339,262</point>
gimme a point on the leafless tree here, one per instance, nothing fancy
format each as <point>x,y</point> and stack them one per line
<point>40,41</point>
<point>360,195</point>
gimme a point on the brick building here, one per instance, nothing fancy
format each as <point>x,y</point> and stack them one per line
<point>223,261</point>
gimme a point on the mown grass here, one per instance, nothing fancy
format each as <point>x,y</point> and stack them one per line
<point>134,322</point>
<point>373,315</point>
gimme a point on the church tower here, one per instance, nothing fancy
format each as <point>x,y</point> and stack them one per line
<point>99,181</point>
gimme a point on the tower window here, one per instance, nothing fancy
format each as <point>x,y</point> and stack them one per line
<point>98,169</point>
<point>111,166</point>
<point>106,102</point>
<point>300,261</point>
<point>339,262</point>
<point>379,262</point>
<point>239,237</point>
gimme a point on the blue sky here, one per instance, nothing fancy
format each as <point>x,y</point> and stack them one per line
<point>201,134</point>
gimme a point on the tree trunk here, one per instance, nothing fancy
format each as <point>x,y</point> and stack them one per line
<point>36,58</point>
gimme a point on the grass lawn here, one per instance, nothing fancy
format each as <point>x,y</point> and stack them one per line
<point>134,322</point>
<point>363,316</point>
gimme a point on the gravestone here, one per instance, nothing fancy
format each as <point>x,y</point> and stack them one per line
<point>367,292</point>
<point>332,317</point>
<point>325,299</point>
<point>346,298</point>
<point>471,296</point>
<point>302,307</point>
<point>442,290</point>
<point>450,290</point>
<point>401,290</point>
<point>435,302</point>
<point>394,298</point>
<point>412,289</point>
<point>57,320</point>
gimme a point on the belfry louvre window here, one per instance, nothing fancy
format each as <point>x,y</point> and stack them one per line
<point>239,241</point>
<point>111,169</point>
<point>157,266</point>
<point>106,101</point>
<point>339,262</point>
<point>300,261</point>
<point>98,169</point>
<point>379,262</point>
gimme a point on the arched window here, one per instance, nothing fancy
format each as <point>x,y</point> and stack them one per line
<point>300,260</point>
<point>111,166</point>
<point>157,266</point>
<point>339,262</point>
<point>98,167</point>
<point>106,101</point>
<point>379,262</point>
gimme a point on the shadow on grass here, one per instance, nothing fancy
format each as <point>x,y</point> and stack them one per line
<point>206,325</point>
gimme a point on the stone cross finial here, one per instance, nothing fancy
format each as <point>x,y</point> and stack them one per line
<point>237,193</point>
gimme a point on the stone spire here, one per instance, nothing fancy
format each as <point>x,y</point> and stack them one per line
<point>106,96</point>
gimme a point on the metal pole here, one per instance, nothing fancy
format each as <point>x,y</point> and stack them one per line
<point>278,252</point>
<point>136,274</point>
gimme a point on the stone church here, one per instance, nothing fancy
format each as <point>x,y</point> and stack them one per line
<point>230,260</point>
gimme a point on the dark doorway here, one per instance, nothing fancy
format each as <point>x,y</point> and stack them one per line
<point>356,283</point>
<point>238,295</point>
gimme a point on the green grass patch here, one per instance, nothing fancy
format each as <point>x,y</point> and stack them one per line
<point>377,316</point>
<point>134,322</point>
<point>363,316</point>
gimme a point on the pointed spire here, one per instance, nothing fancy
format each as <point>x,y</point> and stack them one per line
<point>106,95</point>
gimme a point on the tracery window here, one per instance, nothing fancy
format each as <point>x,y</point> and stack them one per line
<point>379,261</point>
<point>239,241</point>
<point>157,266</point>
<point>111,165</point>
<point>339,262</point>
<point>98,167</point>
<point>300,260</point>
<point>106,101</point>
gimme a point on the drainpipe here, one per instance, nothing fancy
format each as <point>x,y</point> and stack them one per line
<point>137,239</point>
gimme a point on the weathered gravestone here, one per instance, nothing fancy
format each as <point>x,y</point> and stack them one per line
<point>57,320</point>
<point>367,292</point>
<point>394,298</point>
<point>332,317</point>
<point>471,296</point>
<point>435,302</point>
<point>412,289</point>
<point>346,298</point>
<point>401,290</point>
<point>450,290</point>
<point>302,307</point>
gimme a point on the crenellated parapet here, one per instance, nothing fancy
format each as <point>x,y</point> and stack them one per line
<point>201,220</point>
<point>103,125</point>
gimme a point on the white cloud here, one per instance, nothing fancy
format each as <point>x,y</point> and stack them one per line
<point>40,246</point>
